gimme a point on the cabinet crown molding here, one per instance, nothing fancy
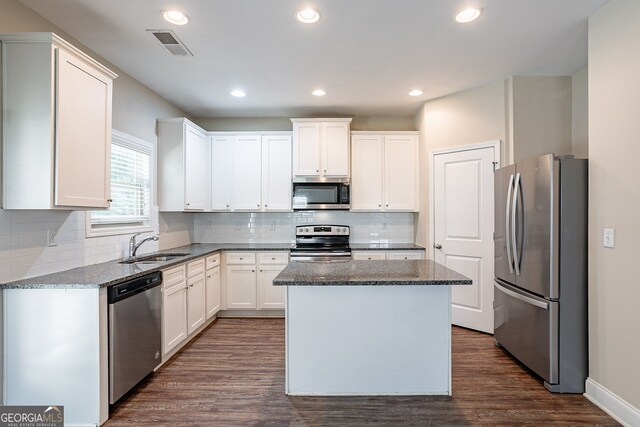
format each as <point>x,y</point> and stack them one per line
<point>53,38</point>
<point>385,132</point>
<point>334,119</point>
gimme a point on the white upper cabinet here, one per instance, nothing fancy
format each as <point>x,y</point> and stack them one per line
<point>385,172</point>
<point>306,148</point>
<point>401,173</point>
<point>221,172</point>
<point>56,123</point>
<point>276,173</point>
<point>196,176</point>
<point>366,173</point>
<point>251,172</point>
<point>321,148</point>
<point>246,173</point>
<point>184,166</point>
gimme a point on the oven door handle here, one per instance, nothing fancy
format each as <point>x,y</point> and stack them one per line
<point>321,254</point>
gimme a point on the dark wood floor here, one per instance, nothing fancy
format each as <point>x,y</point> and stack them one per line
<point>233,374</point>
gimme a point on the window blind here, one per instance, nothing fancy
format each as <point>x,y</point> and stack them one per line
<point>130,187</point>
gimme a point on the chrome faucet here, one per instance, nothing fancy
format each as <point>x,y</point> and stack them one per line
<point>133,245</point>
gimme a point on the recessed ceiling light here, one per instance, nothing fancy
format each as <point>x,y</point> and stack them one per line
<point>308,16</point>
<point>416,92</point>
<point>468,15</point>
<point>175,17</point>
<point>238,93</point>
<point>318,92</point>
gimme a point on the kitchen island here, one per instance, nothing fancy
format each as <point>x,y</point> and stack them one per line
<point>368,327</point>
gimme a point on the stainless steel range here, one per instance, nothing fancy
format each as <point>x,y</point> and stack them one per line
<point>329,243</point>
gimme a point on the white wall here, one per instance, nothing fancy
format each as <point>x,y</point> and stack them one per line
<point>280,227</point>
<point>469,117</point>
<point>614,180</point>
<point>23,250</point>
<point>580,114</point>
<point>539,116</point>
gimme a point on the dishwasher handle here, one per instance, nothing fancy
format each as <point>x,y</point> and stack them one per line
<point>130,288</point>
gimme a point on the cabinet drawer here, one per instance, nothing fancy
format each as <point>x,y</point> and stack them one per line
<point>405,255</point>
<point>240,258</point>
<point>195,267</point>
<point>368,255</point>
<point>274,258</point>
<point>174,276</point>
<point>212,261</point>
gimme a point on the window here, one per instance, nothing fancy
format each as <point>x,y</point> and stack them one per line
<point>131,177</point>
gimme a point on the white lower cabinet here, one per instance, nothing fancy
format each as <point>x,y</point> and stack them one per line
<point>212,285</point>
<point>270,264</point>
<point>174,316</point>
<point>387,255</point>
<point>195,303</point>
<point>241,286</point>
<point>195,295</point>
<point>249,280</point>
<point>184,292</point>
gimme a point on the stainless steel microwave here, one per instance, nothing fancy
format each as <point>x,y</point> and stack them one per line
<point>314,195</point>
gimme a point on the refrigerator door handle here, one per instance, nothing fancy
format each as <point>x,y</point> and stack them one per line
<point>523,298</point>
<point>506,224</point>
<point>514,242</point>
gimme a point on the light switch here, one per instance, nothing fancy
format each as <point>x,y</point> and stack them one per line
<point>608,237</point>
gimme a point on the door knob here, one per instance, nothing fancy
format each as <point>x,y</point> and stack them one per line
<point>437,246</point>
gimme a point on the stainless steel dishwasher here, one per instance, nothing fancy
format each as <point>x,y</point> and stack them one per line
<point>134,332</point>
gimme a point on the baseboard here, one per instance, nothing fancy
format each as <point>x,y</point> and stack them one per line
<point>618,408</point>
<point>251,313</point>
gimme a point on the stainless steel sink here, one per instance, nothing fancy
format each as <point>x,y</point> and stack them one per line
<point>152,259</point>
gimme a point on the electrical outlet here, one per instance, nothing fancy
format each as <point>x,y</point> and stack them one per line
<point>608,238</point>
<point>272,226</point>
<point>384,225</point>
<point>52,236</point>
<point>209,225</point>
<point>237,228</point>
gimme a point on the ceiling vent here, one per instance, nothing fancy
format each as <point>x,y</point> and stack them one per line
<point>171,42</point>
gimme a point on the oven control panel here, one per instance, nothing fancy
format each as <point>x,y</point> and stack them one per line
<point>322,230</point>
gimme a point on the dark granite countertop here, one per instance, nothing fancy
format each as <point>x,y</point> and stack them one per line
<point>385,247</point>
<point>112,272</point>
<point>369,273</point>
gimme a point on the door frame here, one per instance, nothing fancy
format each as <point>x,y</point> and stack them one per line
<point>495,144</point>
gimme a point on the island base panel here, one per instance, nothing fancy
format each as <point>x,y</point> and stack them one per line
<point>368,340</point>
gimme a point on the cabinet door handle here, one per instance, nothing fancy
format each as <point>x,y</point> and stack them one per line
<point>258,204</point>
<point>379,206</point>
<point>253,271</point>
<point>273,259</point>
<point>209,276</point>
<point>260,271</point>
<point>109,200</point>
<point>387,204</point>
<point>227,205</point>
<point>369,258</point>
<point>325,171</point>
<point>317,170</point>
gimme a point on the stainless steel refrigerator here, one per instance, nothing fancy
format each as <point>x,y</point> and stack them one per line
<point>540,289</point>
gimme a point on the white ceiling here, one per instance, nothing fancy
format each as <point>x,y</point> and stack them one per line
<point>367,54</point>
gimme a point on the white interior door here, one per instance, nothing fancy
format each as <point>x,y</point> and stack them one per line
<point>463,230</point>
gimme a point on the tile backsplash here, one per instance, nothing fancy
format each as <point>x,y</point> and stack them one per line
<point>24,250</point>
<point>280,227</point>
